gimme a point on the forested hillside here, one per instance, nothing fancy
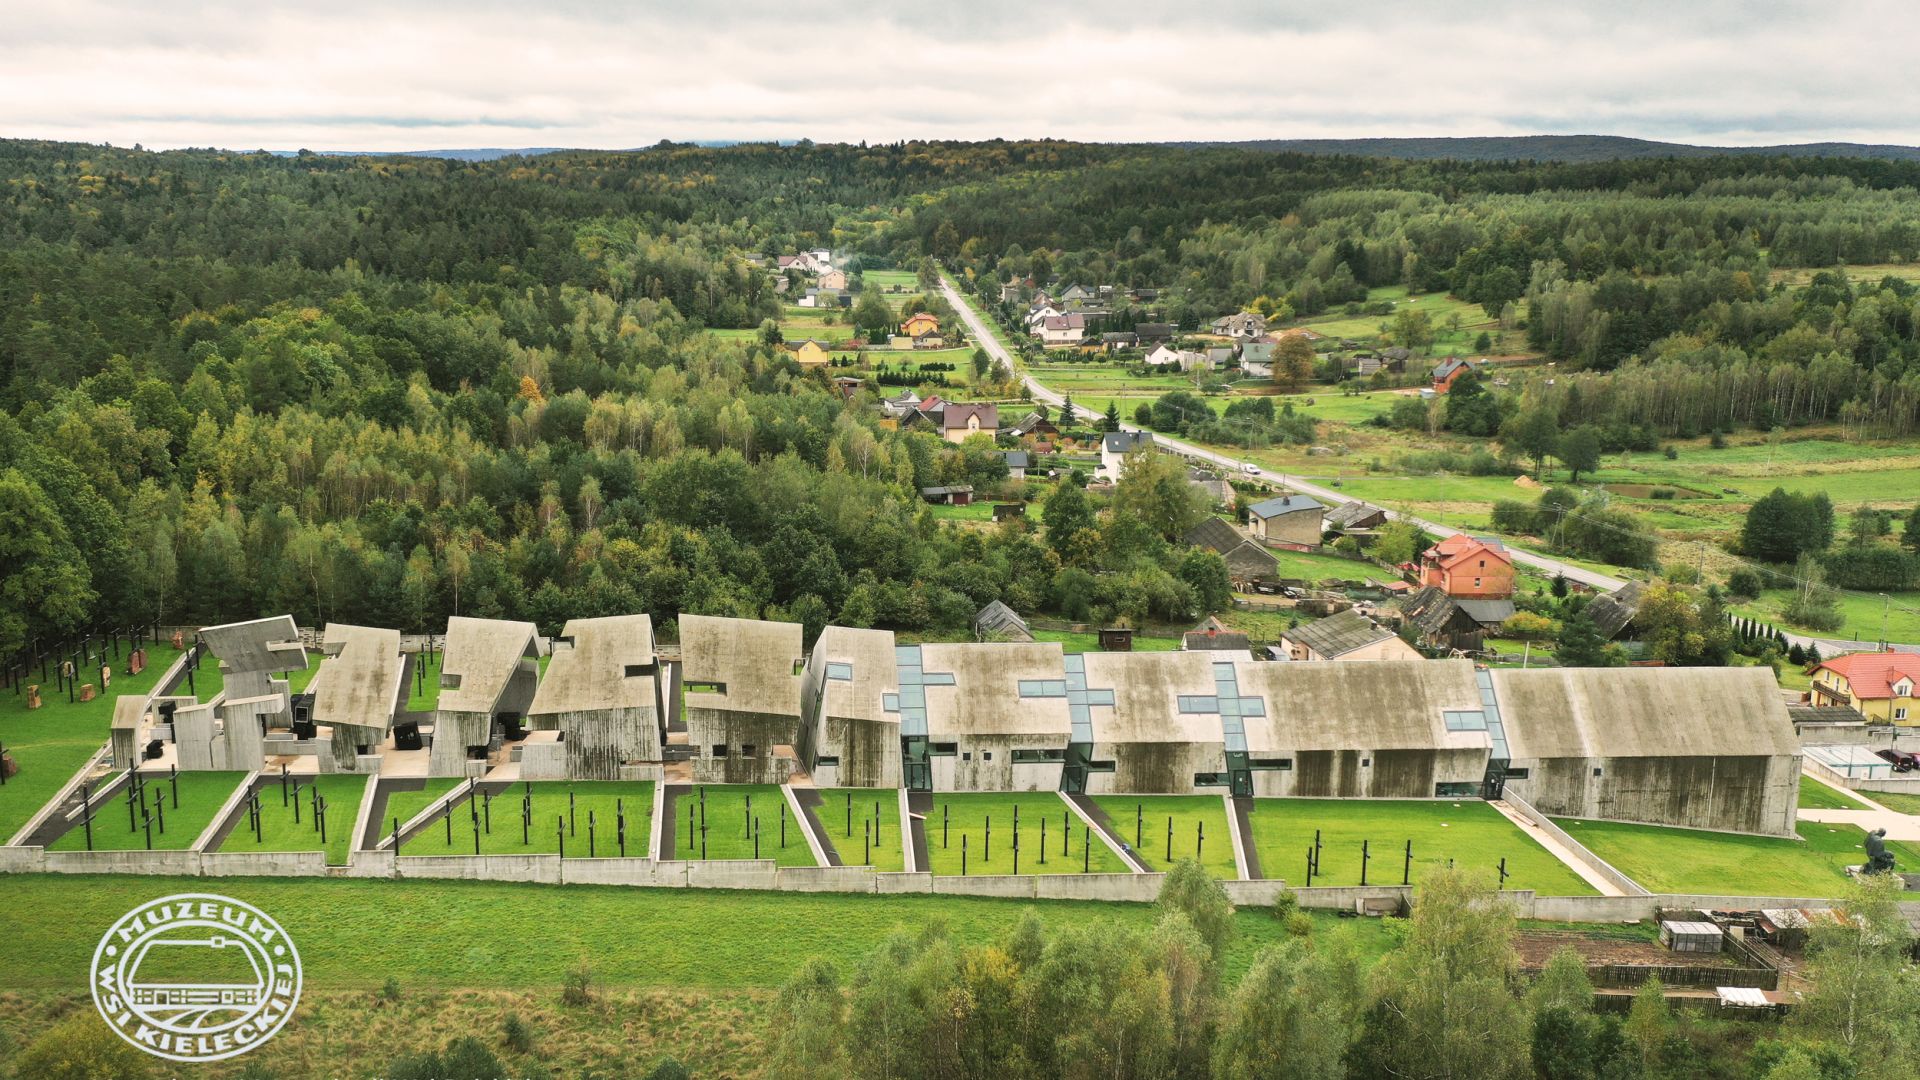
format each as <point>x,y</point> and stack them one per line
<point>384,389</point>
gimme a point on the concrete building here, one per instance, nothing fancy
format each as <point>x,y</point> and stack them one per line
<point>1144,742</point>
<point>229,731</point>
<point>848,736</point>
<point>355,695</point>
<point>488,674</point>
<point>601,694</point>
<point>996,714</point>
<point>1706,748</point>
<point>1387,730</point>
<point>1287,521</point>
<point>742,680</point>
<point>1347,635</point>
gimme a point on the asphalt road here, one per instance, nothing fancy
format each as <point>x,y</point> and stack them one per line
<point>983,334</point>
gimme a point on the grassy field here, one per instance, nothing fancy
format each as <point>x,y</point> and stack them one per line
<point>1688,861</point>
<point>201,796</point>
<point>725,815</point>
<point>50,743</point>
<point>423,691</point>
<point>1314,566</point>
<point>978,511</point>
<point>683,939</point>
<point>1469,832</point>
<point>603,799</point>
<point>968,815</point>
<point>684,972</point>
<point>405,804</point>
<point>280,832</point>
<point>297,680</point>
<point>849,833</point>
<point>1075,641</point>
<point>1188,814</point>
<point>1815,795</point>
<point>1900,801</point>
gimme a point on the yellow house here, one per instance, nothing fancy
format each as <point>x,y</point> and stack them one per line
<point>810,353</point>
<point>1878,685</point>
<point>918,323</point>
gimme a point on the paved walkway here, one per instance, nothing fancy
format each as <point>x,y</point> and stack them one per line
<point>1560,851</point>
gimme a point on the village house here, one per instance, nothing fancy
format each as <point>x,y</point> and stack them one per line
<point>1018,462</point>
<point>958,421</point>
<point>1248,564</point>
<point>1355,518</point>
<point>1447,622</point>
<point>1039,313</point>
<point>1613,613</point>
<point>1212,635</point>
<point>1877,685</point>
<point>809,353</point>
<point>1288,521</point>
<point>1468,566</point>
<point>1115,446</point>
<point>835,280</point>
<point>1154,332</point>
<point>1245,326</point>
<point>920,322</point>
<point>1347,635</point>
<point>951,495</point>
<point>1448,371</point>
<point>1058,330</point>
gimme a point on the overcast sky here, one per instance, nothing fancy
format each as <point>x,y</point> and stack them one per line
<point>399,74</point>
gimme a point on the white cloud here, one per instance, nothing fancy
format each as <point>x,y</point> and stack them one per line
<point>363,76</point>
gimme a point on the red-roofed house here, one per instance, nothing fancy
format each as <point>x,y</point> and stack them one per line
<point>1468,566</point>
<point>1878,685</point>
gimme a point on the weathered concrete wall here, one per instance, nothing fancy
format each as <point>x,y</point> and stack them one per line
<point>869,752</point>
<point>264,864</point>
<point>732,874</point>
<point>1154,768</point>
<point>123,862</point>
<point>621,872</point>
<point>903,883</point>
<point>1346,897</point>
<point>599,743</point>
<point>1730,794</point>
<point>1385,774</point>
<point>836,879</point>
<point>1137,888</point>
<point>709,727</point>
<point>453,732</point>
<point>22,860</point>
<point>985,763</point>
<point>545,761</point>
<point>544,868</point>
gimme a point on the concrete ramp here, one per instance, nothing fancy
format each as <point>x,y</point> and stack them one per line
<point>919,805</point>
<point>809,803</point>
<point>1090,812</point>
<point>1240,817</point>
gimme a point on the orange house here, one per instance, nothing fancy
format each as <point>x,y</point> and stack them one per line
<point>918,323</point>
<point>1469,567</point>
<point>1445,374</point>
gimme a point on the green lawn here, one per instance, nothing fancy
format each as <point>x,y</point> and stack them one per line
<point>1815,795</point>
<point>1469,832</point>
<point>201,796</point>
<point>50,743</point>
<point>850,840</point>
<point>1898,801</point>
<point>423,692</point>
<point>553,801</point>
<point>1689,861</point>
<point>1086,641</point>
<point>967,816</point>
<point>1187,814</point>
<point>279,831</point>
<point>297,680</point>
<point>462,934</point>
<point>725,815</point>
<point>405,804</point>
<point>1862,615</point>
<point>208,682</point>
<point>978,511</point>
<point>1315,566</point>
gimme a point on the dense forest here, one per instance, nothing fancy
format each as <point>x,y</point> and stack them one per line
<point>387,389</point>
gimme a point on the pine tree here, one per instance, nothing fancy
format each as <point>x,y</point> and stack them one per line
<point>1580,643</point>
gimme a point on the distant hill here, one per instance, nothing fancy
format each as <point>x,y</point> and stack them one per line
<point>487,153</point>
<point>1571,148</point>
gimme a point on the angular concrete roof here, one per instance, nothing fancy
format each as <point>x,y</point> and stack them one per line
<point>484,654</point>
<point>1384,705</point>
<point>869,659</point>
<point>359,684</point>
<point>1147,687</point>
<point>592,672</point>
<point>753,659</point>
<point>1643,712</point>
<point>269,645</point>
<point>985,698</point>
